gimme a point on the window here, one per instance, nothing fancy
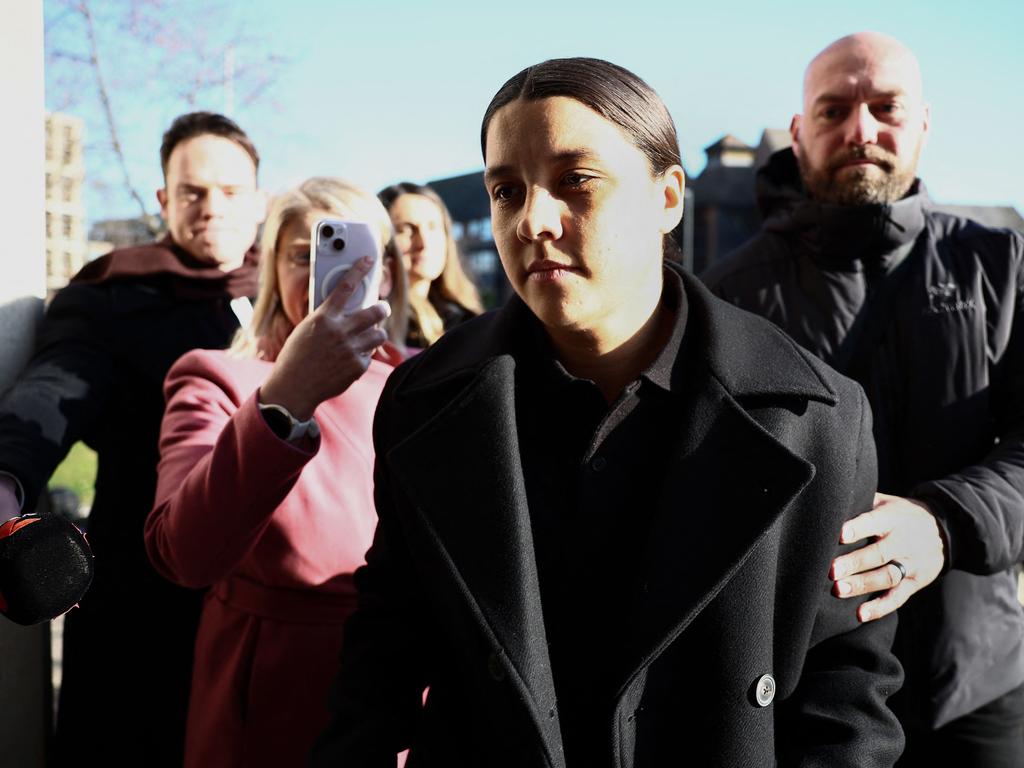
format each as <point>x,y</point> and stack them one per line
<point>69,145</point>
<point>480,229</point>
<point>484,265</point>
<point>67,189</point>
<point>66,226</point>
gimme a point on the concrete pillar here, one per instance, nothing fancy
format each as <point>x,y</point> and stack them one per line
<point>25,694</point>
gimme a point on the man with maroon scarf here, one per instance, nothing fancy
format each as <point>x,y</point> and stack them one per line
<point>102,351</point>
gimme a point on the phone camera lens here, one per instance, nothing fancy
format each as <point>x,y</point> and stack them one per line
<point>327,230</point>
<point>338,244</point>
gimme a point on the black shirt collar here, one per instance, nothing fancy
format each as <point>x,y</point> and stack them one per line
<point>539,357</point>
<point>673,299</point>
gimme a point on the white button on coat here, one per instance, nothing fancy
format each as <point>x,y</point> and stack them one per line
<point>764,690</point>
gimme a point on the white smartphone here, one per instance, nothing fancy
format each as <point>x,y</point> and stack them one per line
<point>334,246</point>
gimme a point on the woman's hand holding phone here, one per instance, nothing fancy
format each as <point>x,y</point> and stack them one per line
<point>328,350</point>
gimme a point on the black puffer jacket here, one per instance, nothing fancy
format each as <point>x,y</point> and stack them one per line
<point>944,372</point>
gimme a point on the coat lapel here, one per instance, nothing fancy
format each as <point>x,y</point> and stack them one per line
<point>726,484</point>
<point>481,524</point>
<point>728,479</point>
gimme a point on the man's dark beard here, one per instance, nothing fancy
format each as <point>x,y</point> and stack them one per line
<point>859,186</point>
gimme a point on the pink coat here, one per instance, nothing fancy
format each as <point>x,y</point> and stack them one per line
<point>276,532</point>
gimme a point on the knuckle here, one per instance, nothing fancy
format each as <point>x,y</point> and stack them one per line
<point>860,560</point>
<point>871,610</point>
<point>877,582</point>
<point>852,565</point>
<point>858,586</point>
<point>875,607</point>
<point>893,574</point>
<point>888,601</point>
<point>880,554</point>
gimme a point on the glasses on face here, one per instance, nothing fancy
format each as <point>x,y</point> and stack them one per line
<point>298,257</point>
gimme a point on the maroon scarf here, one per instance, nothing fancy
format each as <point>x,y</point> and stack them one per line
<point>188,278</point>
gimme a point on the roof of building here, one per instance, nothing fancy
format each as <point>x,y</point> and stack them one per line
<point>464,195</point>
<point>724,185</point>
<point>772,140</point>
<point>727,142</point>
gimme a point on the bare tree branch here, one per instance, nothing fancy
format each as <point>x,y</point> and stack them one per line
<point>69,56</point>
<point>108,111</point>
<point>117,63</point>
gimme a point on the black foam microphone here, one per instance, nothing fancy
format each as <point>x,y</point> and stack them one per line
<point>46,567</point>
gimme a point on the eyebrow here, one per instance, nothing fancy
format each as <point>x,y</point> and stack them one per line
<point>568,156</point>
<point>840,97</point>
<point>194,184</point>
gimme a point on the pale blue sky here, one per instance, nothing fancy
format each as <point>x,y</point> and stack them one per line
<point>395,90</point>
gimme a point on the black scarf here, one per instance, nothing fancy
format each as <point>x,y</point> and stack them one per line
<point>838,236</point>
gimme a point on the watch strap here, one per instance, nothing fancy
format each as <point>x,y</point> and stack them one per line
<point>286,426</point>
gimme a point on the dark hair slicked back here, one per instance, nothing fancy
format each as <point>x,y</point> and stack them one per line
<point>193,124</point>
<point>612,91</point>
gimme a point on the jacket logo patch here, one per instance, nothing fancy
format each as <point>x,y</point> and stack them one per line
<point>943,298</point>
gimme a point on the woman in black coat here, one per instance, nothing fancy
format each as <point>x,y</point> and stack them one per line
<point>623,559</point>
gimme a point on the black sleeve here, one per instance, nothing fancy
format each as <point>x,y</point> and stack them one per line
<point>981,507</point>
<point>838,717</point>
<point>62,392</point>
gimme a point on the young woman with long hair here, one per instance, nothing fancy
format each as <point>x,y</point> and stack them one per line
<point>441,294</point>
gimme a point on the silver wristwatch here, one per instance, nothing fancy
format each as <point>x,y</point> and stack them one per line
<point>286,426</point>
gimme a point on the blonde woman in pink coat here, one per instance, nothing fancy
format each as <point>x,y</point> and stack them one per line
<point>265,489</point>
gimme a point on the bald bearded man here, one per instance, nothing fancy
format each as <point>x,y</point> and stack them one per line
<point>924,309</point>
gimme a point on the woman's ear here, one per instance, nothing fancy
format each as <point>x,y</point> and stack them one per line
<point>673,185</point>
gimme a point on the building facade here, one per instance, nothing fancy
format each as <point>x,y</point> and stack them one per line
<point>470,208</point>
<point>67,248</point>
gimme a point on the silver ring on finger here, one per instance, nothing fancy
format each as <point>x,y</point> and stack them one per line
<point>901,568</point>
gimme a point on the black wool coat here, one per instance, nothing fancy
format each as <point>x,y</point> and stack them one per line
<point>774,455</point>
<point>102,352</point>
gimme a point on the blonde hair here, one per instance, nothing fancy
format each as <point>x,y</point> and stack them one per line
<point>345,200</point>
<point>453,284</point>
